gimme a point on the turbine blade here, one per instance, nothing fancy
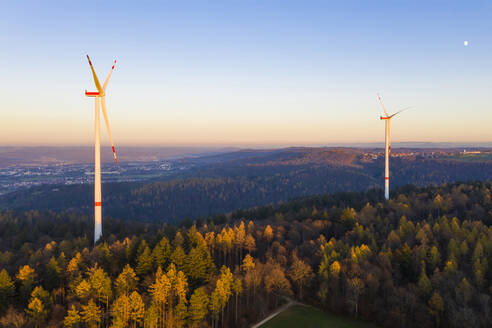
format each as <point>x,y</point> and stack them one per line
<point>106,120</point>
<point>382,105</point>
<point>401,110</point>
<point>96,80</point>
<point>109,76</point>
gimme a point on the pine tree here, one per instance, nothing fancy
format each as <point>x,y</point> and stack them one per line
<point>121,311</point>
<point>72,318</point>
<point>7,290</point>
<point>91,314</point>
<point>250,243</point>
<point>151,318</point>
<point>137,309</point>
<point>26,276</point>
<point>144,263</point>
<point>199,264</point>
<point>37,311</point>
<point>178,240</point>
<point>53,274</point>
<point>335,269</point>
<point>181,312</point>
<point>178,257</point>
<point>43,295</point>
<point>160,291</point>
<point>198,308</point>
<point>434,257</point>
<point>126,282</point>
<point>215,307</point>
<point>424,283</point>
<point>100,285</point>
<point>268,233</point>
<point>436,307</point>
<point>161,253</point>
<point>248,263</point>
<point>237,287</point>
<point>83,289</point>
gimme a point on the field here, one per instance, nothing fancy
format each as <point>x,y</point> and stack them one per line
<point>306,317</point>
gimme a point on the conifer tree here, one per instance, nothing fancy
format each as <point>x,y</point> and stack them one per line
<point>26,276</point>
<point>178,257</point>
<point>121,311</point>
<point>126,282</point>
<point>160,291</point>
<point>436,307</point>
<point>237,287</point>
<point>72,318</point>
<point>424,283</point>
<point>161,253</point>
<point>91,314</point>
<point>137,309</point>
<point>52,275</point>
<point>7,290</point>
<point>144,263</point>
<point>198,308</point>
<point>37,311</point>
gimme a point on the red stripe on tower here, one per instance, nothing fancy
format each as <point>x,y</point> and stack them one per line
<point>386,178</point>
<point>97,203</point>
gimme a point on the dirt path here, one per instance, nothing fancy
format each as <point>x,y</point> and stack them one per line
<point>284,307</point>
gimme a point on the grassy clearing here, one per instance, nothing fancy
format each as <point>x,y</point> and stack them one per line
<point>307,317</point>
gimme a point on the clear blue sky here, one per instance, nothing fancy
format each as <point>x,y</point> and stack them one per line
<point>246,72</point>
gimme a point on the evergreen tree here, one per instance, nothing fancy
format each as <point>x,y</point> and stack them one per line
<point>72,319</point>
<point>198,308</point>
<point>126,282</point>
<point>7,290</point>
<point>91,314</point>
<point>37,311</point>
<point>144,263</point>
<point>137,309</point>
<point>178,257</point>
<point>161,253</point>
<point>53,274</point>
<point>424,284</point>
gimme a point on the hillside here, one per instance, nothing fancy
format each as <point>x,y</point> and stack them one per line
<point>226,182</point>
<point>423,259</point>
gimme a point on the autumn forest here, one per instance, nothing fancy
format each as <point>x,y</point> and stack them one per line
<point>423,259</point>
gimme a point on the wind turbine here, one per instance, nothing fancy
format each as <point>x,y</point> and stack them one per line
<point>99,97</point>
<point>387,145</point>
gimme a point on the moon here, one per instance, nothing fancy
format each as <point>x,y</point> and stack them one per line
<point>465,43</point>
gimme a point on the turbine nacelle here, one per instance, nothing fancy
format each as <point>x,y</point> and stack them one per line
<point>92,93</point>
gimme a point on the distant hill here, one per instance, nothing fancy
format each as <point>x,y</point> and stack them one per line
<point>225,182</point>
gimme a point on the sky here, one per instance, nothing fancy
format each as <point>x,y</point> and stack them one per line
<point>246,72</point>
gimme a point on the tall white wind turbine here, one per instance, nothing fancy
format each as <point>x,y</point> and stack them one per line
<point>387,145</point>
<point>99,97</point>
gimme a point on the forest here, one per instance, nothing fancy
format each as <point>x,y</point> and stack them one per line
<point>243,182</point>
<point>422,259</point>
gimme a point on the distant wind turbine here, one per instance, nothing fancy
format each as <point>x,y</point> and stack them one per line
<point>99,96</point>
<point>387,119</point>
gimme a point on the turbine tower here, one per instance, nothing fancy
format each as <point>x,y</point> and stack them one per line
<point>387,145</point>
<point>99,97</point>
